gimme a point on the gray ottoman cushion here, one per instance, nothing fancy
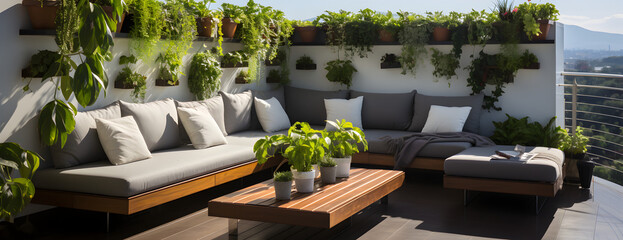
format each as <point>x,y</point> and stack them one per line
<point>376,144</point>
<point>422,103</point>
<point>476,162</point>
<point>304,105</point>
<point>389,111</point>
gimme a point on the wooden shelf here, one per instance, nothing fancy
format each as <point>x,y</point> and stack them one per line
<point>52,32</point>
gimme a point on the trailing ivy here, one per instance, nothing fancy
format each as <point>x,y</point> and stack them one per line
<point>361,33</point>
<point>413,37</point>
<point>445,64</point>
<point>341,71</point>
<point>204,79</point>
<point>147,29</point>
<point>335,23</point>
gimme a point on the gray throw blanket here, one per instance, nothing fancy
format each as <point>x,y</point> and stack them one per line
<point>407,148</point>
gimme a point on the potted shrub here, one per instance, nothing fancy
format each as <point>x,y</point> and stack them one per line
<point>341,72</point>
<point>328,170</point>
<point>344,140</point>
<point>390,60</point>
<point>577,167</point>
<point>234,59</point>
<point>127,79</point>
<point>169,67</point>
<point>283,185</point>
<point>204,78</point>
<point>306,30</point>
<point>231,17</point>
<point>242,78</point>
<point>537,19</point>
<point>388,26</point>
<point>43,65</point>
<point>441,24</point>
<point>305,63</point>
<point>302,147</point>
<point>42,13</point>
<point>16,191</point>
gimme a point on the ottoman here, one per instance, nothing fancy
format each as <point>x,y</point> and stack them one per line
<point>473,169</point>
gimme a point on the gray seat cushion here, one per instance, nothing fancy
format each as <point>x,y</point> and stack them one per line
<point>83,144</point>
<point>476,162</point>
<point>157,121</point>
<point>389,111</point>
<point>304,105</point>
<point>434,150</point>
<point>422,103</point>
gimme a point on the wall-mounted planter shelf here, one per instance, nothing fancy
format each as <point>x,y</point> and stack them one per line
<point>306,67</point>
<point>52,32</point>
<point>272,80</point>
<point>533,66</point>
<point>275,62</point>
<point>387,65</point>
<point>323,43</point>
<point>165,83</point>
<point>237,65</point>
<point>122,85</point>
<point>241,80</point>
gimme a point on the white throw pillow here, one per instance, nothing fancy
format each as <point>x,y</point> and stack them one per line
<point>271,115</point>
<point>122,140</point>
<point>349,109</point>
<point>446,119</point>
<point>201,127</point>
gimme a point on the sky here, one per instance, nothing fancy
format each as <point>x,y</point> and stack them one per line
<point>596,15</point>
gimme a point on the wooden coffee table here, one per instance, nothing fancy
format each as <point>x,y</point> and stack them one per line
<point>327,206</point>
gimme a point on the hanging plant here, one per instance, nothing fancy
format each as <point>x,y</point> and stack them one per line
<point>414,36</point>
<point>147,29</point>
<point>445,64</point>
<point>479,28</point>
<point>180,29</point>
<point>130,79</point>
<point>335,23</point>
<point>208,20</point>
<point>204,79</point>
<point>361,33</point>
<point>84,29</point>
<point>340,71</point>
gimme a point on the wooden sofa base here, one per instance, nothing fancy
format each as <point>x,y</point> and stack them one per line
<point>137,203</point>
<point>545,189</point>
<point>388,160</point>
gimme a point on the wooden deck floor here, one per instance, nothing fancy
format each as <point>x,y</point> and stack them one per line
<point>420,209</point>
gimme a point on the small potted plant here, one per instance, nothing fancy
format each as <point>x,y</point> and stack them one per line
<point>306,30</point>
<point>127,79</point>
<point>305,63</point>
<point>242,78</point>
<point>344,140</point>
<point>283,185</point>
<point>328,169</point>
<point>340,71</point>
<point>42,13</point>
<point>169,65</point>
<point>537,19</point>
<point>390,60</point>
<point>442,24</point>
<point>578,168</point>
<point>204,78</point>
<point>234,59</point>
<point>231,16</point>
<point>388,26</point>
<point>44,64</point>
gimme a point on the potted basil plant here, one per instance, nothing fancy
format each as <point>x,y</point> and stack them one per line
<point>283,185</point>
<point>344,143</point>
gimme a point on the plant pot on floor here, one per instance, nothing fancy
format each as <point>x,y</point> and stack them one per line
<point>304,181</point>
<point>585,169</point>
<point>343,166</point>
<point>283,190</point>
<point>328,174</point>
<point>306,34</point>
<point>441,34</point>
<point>42,15</point>
<point>229,27</point>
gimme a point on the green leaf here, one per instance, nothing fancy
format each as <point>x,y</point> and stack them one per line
<point>66,86</point>
<point>53,70</point>
<point>8,163</point>
<point>84,86</point>
<point>47,127</point>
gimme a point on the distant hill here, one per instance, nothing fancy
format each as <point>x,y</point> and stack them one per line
<point>577,38</point>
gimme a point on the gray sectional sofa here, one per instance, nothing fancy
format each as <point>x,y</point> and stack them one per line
<point>84,179</point>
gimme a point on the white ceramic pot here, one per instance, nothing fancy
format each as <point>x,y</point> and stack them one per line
<point>343,166</point>
<point>304,181</point>
<point>283,190</point>
<point>328,174</point>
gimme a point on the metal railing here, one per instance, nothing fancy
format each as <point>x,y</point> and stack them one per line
<point>598,109</point>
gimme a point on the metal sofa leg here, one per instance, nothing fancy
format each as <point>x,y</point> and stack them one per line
<point>107,222</point>
<point>538,206</point>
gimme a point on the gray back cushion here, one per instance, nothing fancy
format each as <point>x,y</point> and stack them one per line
<point>304,105</point>
<point>388,111</point>
<point>422,103</point>
<point>265,95</point>
<point>237,111</point>
<point>157,121</point>
<point>216,109</point>
<point>83,144</point>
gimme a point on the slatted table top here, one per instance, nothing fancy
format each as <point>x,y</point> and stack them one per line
<point>327,206</point>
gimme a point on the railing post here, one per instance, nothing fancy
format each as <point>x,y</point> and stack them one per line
<point>574,106</point>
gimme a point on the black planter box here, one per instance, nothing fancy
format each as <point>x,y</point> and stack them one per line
<point>272,80</point>
<point>306,66</point>
<point>241,80</point>
<point>122,85</point>
<point>275,62</point>
<point>165,83</point>
<point>386,65</point>
<point>237,65</point>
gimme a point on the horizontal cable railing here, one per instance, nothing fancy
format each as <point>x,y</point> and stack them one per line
<point>600,98</point>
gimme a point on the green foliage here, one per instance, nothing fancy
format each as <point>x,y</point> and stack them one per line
<point>129,77</point>
<point>180,28</point>
<point>361,33</point>
<point>235,57</point>
<point>232,11</point>
<point>148,27</point>
<point>505,10</point>
<point>520,131</point>
<point>387,22</point>
<point>170,65</point>
<point>531,12</point>
<point>479,29</point>
<point>335,23</point>
<point>56,122</point>
<point>390,58</point>
<point>201,9</point>
<point>445,64</point>
<point>283,176</point>
<point>344,139</point>
<point>302,147</point>
<point>305,60</point>
<point>67,24</point>
<point>204,79</point>
<point>413,37</point>
<point>574,143</point>
<point>45,63</point>
<point>528,58</point>
<point>328,162</point>
<point>299,23</point>
<point>281,75</point>
<point>340,71</point>
<point>16,192</point>
<point>245,75</point>
<point>438,19</point>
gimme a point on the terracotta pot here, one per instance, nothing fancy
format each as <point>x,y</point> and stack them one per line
<point>386,36</point>
<point>441,34</point>
<point>41,17</point>
<point>544,26</point>
<point>204,26</point>
<point>307,34</point>
<point>229,27</point>
<point>108,10</point>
